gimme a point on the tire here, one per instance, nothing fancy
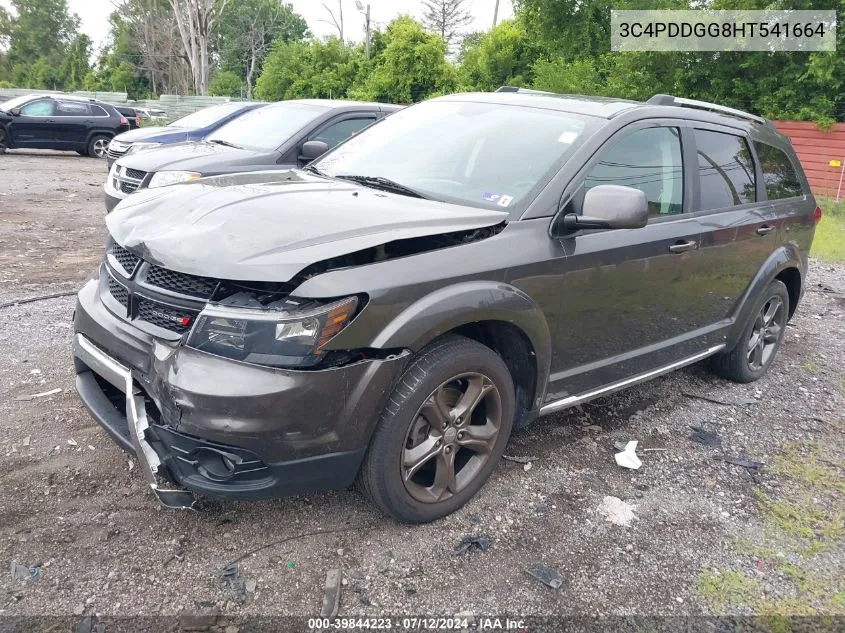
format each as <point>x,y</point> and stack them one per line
<point>752,356</point>
<point>434,388</point>
<point>97,146</point>
<point>3,142</point>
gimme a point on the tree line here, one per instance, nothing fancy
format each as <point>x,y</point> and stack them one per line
<point>263,49</point>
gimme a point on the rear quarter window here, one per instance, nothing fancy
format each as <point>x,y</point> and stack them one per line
<point>779,175</point>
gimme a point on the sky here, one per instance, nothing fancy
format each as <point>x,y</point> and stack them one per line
<point>95,13</point>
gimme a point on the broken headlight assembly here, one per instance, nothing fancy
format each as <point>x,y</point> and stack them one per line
<point>287,338</point>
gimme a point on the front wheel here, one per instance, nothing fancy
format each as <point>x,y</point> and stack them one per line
<point>4,143</point>
<point>756,349</point>
<point>97,146</point>
<point>445,427</point>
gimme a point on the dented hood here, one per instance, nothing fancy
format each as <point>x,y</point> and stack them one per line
<point>268,226</point>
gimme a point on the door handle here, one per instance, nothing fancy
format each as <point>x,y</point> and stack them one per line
<point>765,229</point>
<point>51,120</point>
<point>683,247</point>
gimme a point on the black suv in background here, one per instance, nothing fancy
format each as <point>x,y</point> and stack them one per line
<point>60,122</point>
<point>276,136</point>
<point>390,313</point>
<point>131,114</point>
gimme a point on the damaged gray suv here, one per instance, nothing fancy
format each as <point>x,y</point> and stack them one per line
<point>391,313</point>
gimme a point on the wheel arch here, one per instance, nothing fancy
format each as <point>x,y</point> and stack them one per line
<point>497,315</point>
<point>785,265</point>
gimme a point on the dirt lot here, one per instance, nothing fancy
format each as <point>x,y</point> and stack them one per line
<point>707,536</point>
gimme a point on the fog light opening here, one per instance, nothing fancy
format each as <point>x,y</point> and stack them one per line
<point>216,465</point>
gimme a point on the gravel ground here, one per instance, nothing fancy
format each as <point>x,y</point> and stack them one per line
<point>701,536</point>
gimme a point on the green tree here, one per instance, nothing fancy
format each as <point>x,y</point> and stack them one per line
<point>314,69</point>
<point>247,30</point>
<point>225,83</point>
<point>39,37</point>
<point>75,66</point>
<point>410,66</point>
<point>504,56</point>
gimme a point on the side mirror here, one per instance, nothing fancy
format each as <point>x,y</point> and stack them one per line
<point>313,149</point>
<point>15,111</point>
<point>610,207</point>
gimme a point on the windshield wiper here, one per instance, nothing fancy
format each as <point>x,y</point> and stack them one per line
<point>218,141</point>
<point>385,184</point>
<point>313,170</point>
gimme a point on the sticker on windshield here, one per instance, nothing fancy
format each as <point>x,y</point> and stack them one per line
<point>567,137</point>
<point>497,198</point>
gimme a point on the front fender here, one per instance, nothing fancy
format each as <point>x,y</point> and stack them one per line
<point>460,304</point>
<point>786,256</point>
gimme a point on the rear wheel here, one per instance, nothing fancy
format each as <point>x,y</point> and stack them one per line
<point>4,145</point>
<point>444,429</point>
<point>98,145</point>
<point>761,339</point>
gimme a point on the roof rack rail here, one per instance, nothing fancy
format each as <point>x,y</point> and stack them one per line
<point>525,90</point>
<point>661,99</point>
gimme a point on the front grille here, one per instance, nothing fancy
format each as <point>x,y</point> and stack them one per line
<point>165,316</point>
<point>128,261</point>
<point>137,174</point>
<point>120,293</point>
<point>193,285</point>
<point>114,154</point>
<point>127,187</point>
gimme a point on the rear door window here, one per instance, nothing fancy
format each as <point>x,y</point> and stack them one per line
<point>778,173</point>
<point>648,160</point>
<point>725,170</point>
<point>71,108</point>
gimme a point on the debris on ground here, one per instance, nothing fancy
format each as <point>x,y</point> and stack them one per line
<point>467,543</point>
<point>741,461</point>
<point>231,576</point>
<point>628,457</point>
<point>545,574</point>
<point>22,572</point>
<point>35,396</point>
<point>705,437</point>
<point>331,597</point>
<point>728,403</point>
<point>386,561</point>
<point>26,441</point>
<point>72,442</point>
<point>520,460</point>
<point>616,511</point>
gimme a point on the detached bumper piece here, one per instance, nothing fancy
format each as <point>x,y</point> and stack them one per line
<point>120,377</point>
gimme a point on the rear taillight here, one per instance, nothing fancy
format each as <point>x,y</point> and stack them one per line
<point>138,121</point>
<point>123,121</point>
<point>817,215</point>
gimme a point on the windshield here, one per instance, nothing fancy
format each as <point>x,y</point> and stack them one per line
<point>14,103</point>
<point>479,154</point>
<point>207,116</point>
<point>268,127</point>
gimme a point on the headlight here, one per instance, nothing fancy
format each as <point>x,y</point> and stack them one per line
<point>118,146</point>
<point>275,338</point>
<point>165,178</point>
<point>134,148</point>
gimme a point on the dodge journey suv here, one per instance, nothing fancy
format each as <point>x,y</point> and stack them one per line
<point>389,314</point>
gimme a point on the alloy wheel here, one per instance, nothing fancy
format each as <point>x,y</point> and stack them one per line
<point>451,437</point>
<point>100,147</point>
<point>765,334</point>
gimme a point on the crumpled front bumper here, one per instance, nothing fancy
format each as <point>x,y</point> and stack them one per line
<point>222,427</point>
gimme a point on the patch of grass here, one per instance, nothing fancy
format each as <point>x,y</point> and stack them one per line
<point>811,367</point>
<point>829,241</point>
<point>727,589</point>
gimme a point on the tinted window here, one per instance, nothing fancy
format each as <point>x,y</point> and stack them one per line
<point>778,173</point>
<point>98,110</point>
<point>267,128</point>
<point>71,108</point>
<point>342,130</point>
<point>42,107</point>
<point>648,160</point>
<point>479,154</point>
<point>725,169</point>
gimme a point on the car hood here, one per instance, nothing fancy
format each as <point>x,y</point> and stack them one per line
<point>192,156</point>
<point>160,134</point>
<point>269,226</point>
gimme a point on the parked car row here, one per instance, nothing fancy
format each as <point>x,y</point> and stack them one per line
<point>304,299</point>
